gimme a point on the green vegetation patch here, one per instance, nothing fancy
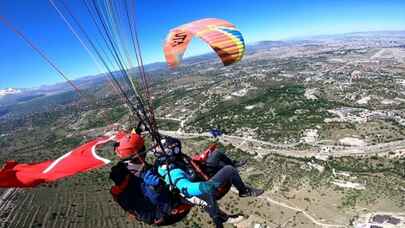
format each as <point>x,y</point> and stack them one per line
<point>284,112</point>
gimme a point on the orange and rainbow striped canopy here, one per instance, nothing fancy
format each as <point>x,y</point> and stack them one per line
<point>220,35</point>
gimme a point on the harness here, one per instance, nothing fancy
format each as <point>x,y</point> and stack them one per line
<point>116,190</point>
<point>173,183</point>
<point>178,208</point>
<point>175,158</point>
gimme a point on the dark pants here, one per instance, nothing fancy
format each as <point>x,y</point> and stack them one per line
<point>228,174</point>
<point>219,158</point>
<point>216,161</point>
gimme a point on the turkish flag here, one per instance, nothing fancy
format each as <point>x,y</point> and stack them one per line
<point>81,159</point>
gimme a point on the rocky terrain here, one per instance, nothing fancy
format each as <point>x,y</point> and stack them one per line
<point>321,122</point>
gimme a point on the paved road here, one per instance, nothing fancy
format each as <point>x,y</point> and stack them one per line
<point>290,150</point>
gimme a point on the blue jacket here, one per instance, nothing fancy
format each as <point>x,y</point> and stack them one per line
<point>180,180</point>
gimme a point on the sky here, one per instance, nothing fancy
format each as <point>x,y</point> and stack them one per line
<point>21,67</point>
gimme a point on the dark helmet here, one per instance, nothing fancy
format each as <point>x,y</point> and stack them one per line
<point>171,146</point>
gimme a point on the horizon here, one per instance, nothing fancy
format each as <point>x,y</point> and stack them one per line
<point>209,51</point>
<point>262,21</point>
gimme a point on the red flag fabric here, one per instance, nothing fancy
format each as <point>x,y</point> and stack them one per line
<point>81,159</point>
<point>129,144</point>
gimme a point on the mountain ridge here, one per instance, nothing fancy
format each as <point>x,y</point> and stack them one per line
<point>24,94</point>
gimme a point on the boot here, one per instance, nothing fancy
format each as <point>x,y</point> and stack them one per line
<point>219,222</point>
<point>251,192</point>
<point>238,164</point>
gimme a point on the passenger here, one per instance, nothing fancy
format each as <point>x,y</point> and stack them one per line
<point>203,189</point>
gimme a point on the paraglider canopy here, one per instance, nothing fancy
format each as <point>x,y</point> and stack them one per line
<point>220,35</point>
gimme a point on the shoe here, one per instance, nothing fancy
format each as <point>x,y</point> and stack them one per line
<point>224,216</point>
<point>219,221</point>
<point>251,192</point>
<point>238,164</point>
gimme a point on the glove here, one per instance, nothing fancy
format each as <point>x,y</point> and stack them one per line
<point>197,201</point>
<point>140,128</point>
<point>150,179</point>
<point>116,145</point>
<point>137,130</point>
